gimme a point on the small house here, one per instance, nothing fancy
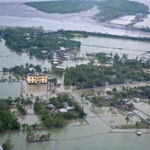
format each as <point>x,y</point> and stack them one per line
<point>63,110</point>
<point>50,106</point>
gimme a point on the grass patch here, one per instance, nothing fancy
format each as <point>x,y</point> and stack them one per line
<point>134,126</point>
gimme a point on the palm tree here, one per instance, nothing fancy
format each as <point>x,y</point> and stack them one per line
<point>127,119</point>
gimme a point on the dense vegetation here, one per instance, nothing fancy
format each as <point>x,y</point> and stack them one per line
<point>122,70</point>
<point>21,109</point>
<point>8,120</point>
<point>86,34</point>
<point>58,119</point>
<point>108,9</point>
<point>115,8</point>
<point>115,96</point>
<point>23,70</point>
<point>38,43</point>
<point>59,103</point>
<point>62,7</point>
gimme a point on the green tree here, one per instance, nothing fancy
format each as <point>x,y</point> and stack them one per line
<point>7,145</point>
<point>127,119</point>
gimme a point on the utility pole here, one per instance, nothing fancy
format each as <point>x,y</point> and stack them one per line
<point>48,88</point>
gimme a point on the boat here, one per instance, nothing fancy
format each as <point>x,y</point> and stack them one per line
<point>139,133</point>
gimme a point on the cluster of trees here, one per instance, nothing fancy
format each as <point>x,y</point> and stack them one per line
<point>36,43</point>
<point>21,109</point>
<point>23,70</point>
<point>115,8</point>
<point>140,92</point>
<point>19,100</point>
<point>8,120</point>
<point>58,71</point>
<point>115,97</point>
<point>130,93</point>
<point>47,120</point>
<point>99,101</point>
<point>59,103</point>
<point>122,70</point>
<point>59,119</point>
<point>7,145</point>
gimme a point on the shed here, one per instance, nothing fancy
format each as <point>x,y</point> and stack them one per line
<point>50,106</point>
<point>62,110</point>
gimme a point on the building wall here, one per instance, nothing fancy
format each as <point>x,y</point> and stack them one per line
<point>37,79</point>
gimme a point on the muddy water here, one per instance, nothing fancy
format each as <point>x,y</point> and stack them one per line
<point>88,45</point>
<point>18,14</point>
<point>94,135</point>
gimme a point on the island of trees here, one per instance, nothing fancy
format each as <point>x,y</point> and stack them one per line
<point>38,43</point>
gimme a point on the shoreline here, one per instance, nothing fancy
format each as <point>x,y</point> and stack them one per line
<point>26,16</point>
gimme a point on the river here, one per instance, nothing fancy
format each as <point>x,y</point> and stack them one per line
<point>15,13</point>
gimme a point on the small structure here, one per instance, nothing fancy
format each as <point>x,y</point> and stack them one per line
<point>63,110</point>
<point>70,108</point>
<point>62,49</point>
<point>37,78</point>
<point>50,106</point>
<point>139,133</point>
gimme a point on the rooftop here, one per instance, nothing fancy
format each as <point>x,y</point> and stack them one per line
<point>36,74</point>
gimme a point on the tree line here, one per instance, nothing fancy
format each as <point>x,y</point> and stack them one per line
<point>8,121</point>
<point>122,70</point>
<point>37,43</point>
<point>53,118</point>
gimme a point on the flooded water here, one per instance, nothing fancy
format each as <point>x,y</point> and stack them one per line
<point>145,23</point>
<point>10,59</point>
<point>11,89</point>
<point>94,135</point>
<point>18,14</point>
<point>110,45</point>
<point>88,45</point>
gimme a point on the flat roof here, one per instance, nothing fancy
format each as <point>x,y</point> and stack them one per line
<point>36,74</point>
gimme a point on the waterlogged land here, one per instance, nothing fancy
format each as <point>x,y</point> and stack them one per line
<point>26,16</point>
<point>100,122</point>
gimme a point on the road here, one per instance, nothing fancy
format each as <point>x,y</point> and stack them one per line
<point>119,86</point>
